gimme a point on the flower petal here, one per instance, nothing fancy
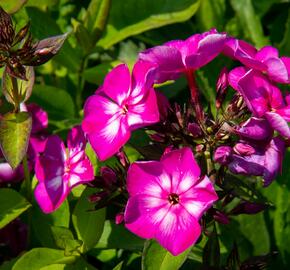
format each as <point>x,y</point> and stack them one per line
<point>157,182</point>
<point>169,62</point>
<point>181,166</point>
<point>178,230</point>
<point>144,213</point>
<point>50,194</point>
<point>117,83</point>
<point>278,123</point>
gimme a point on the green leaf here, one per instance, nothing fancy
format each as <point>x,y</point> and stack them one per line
<point>135,17</point>
<point>79,264</point>
<point>118,237</point>
<point>156,257</point>
<point>285,43</point>
<point>88,224</point>
<point>96,18</point>
<point>14,136</point>
<point>97,74</point>
<point>12,204</point>
<point>43,233</point>
<point>118,266</point>
<point>211,13</point>
<point>37,258</point>
<point>57,102</point>
<point>211,251</point>
<point>12,6</point>
<point>249,21</point>
<point>64,239</point>
<point>279,193</point>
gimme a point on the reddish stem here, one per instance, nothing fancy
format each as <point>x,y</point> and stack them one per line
<point>195,95</point>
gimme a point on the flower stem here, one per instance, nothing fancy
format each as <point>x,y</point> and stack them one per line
<point>195,95</point>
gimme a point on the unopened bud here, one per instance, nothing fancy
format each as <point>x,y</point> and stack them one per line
<point>119,218</point>
<point>200,148</point>
<point>221,86</point>
<point>244,149</point>
<point>223,154</point>
<point>221,217</point>
<point>194,129</point>
<point>96,197</point>
<point>108,175</point>
<point>248,208</point>
<point>157,137</point>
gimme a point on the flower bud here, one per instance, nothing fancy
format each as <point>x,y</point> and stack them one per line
<point>6,29</point>
<point>244,149</point>
<point>157,137</point>
<point>221,217</point>
<point>108,175</point>
<point>119,218</point>
<point>221,86</point>
<point>248,208</point>
<point>194,129</point>
<point>222,155</point>
<point>163,105</point>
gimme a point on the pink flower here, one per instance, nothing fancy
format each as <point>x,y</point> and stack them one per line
<point>59,171</point>
<point>122,104</point>
<point>263,98</point>
<point>167,199</point>
<point>178,56</point>
<point>266,59</point>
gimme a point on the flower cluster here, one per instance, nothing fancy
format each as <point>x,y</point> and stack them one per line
<point>191,151</point>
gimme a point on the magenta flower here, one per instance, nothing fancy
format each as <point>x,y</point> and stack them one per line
<point>178,56</point>
<point>59,171</point>
<point>122,104</point>
<point>263,98</point>
<point>167,199</point>
<point>266,59</point>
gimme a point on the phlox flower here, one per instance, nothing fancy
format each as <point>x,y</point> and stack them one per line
<point>167,199</point>
<point>266,59</point>
<point>179,56</point>
<point>249,158</point>
<point>263,98</point>
<point>123,103</point>
<point>58,170</point>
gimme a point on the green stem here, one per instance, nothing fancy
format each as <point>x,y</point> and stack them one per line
<point>15,94</point>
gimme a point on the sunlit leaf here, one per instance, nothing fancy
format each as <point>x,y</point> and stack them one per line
<point>14,136</point>
<point>12,204</point>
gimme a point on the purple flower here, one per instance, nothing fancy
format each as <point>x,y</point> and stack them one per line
<point>59,171</point>
<point>179,56</point>
<point>263,98</point>
<point>122,104</point>
<point>265,162</point>
<point>167,199</point>
<point>266,59</point>
<point>223,154</point>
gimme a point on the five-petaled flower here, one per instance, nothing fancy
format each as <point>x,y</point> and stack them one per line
<point>58,170</point>
<point>167,199</point>
<point>122,104</point>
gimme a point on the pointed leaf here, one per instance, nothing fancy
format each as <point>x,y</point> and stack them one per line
<point>156,257</point>
<point>88,224</point>
<point>139,16</point>
<point>14,136</point>
<point>12,204</point>
<point>37,258</point>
